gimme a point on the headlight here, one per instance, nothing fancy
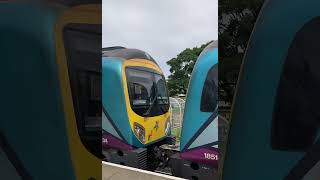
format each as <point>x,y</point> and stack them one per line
<point>139,132</point>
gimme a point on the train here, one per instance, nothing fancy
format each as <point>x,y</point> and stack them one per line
<point>135,106</point>
<point>46,125</point>
<point>199,132</point>
<point>274,132</point>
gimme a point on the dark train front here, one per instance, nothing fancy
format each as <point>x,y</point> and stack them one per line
<point>274,132</point>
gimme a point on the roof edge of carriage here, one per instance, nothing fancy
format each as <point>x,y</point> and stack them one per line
<point>112,48</point>
<point>126,53</point>
<point>212,45</point>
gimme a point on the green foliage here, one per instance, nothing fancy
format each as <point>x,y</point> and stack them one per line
<point>181,68</point>
<point>236,22</point>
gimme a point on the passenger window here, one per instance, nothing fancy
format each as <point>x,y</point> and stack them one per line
<point>209,97</point>
<point>297,113</point>
<point>83,51</point>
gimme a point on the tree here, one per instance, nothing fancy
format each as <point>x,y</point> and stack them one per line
<point>236,22</point>
<point>181,68</point>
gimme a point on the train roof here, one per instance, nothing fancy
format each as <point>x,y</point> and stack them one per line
<point>212,45</point>
<point>71,3</point>
<point>126,53</point>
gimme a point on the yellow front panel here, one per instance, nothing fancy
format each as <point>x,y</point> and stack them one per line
<point>85,164</point>
<point>151,133</point>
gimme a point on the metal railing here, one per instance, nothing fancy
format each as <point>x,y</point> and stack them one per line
<point>176,110</point>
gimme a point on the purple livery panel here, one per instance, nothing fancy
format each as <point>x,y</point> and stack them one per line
<point>110,141</point>
<point>203,155</point>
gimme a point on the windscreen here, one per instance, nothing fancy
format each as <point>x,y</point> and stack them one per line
<point>147,92</point>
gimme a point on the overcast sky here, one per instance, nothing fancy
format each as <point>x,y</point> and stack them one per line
<point>163,28</point>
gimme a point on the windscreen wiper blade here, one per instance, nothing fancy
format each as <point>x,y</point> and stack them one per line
<point>152,104</point>
<point>161,107</point>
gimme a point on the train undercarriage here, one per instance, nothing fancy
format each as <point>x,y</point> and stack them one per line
<point>162,157</point>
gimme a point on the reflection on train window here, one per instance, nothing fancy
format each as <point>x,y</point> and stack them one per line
<point>147,92</point>
<point>297,100</point>
<point>161,89</point>
<point>141,84</point>
<point>209,97</point>
<point>90,92</point>
<point>83,45</point>
<point>140,94</point>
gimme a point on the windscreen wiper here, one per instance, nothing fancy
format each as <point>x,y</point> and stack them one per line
<point>152,104</point>
<point>161,107</point>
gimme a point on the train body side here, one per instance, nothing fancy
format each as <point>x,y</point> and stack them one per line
<point>39,132</point>
<point>115,121</point>
<point>33,105</point>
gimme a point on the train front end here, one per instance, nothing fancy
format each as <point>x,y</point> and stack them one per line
<point>135,100</point>
<point>199,137</point>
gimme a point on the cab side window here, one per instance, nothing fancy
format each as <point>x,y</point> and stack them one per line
<point>209,97</point>
<point>296,114</point>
